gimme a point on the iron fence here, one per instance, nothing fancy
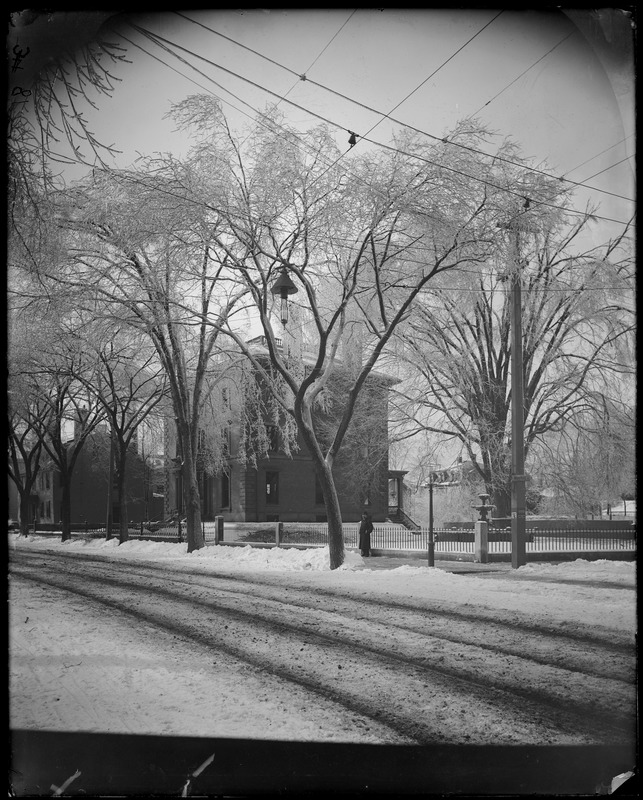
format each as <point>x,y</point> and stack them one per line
<point>384,537</point>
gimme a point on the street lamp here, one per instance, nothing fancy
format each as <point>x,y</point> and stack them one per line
<point>283,287</point>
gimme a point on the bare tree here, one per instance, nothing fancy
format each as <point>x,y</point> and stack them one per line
<point>61,62</point>
<point>72,416</point>
<point>136,250</point>
<point>592,462</point>
<point>360,246</point>
<point>128,385</point>
<point>25,416</point>
<point>577,319</point>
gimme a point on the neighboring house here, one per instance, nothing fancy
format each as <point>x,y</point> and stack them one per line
<point>89,495</point>
<point>282,487</point>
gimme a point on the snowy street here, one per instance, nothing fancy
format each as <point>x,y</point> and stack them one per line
<point>162,643</point>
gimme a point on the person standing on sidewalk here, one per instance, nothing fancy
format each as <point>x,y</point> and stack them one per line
<point>365,530</point>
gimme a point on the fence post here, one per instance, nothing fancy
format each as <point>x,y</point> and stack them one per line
<point>481,542</point>
<point>218,530</point>
<point>141,529</point>
<point>279,529</point>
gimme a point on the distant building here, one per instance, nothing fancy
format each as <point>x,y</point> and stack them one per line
<point>455,489</point>
<point>89,486</point>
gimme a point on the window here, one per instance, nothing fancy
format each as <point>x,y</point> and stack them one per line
<point>227,441</point>
<point>47,481</point>
<point>225,490</point>
<point>272,433</point>
<point>272,488</point>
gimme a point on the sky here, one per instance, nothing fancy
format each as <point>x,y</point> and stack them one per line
<point>560,83</point>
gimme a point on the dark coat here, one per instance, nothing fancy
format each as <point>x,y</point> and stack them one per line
<point>365,530</point>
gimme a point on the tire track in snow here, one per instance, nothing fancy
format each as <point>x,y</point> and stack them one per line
<point>470,627</point>
<point>465,678</point>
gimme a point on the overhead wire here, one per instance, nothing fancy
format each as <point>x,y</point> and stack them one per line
<point>515,80</point>
<point>205,204</point>
<point>273,126</point>
<point>587,160</point>
<point>178,72</point>
<point>627,158</point>
<point>435,72</point>
<point>374,141</point>
<point>404,124</point>
<point>481,273</point>
<point>459,269</point>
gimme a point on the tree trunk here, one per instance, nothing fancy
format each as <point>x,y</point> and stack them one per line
<point>501,498</point>
<point>324,472</point>
<point>25,508</point>
<point>65,506</point>
<point>333,515</point>
<point>195,537</point>
<point>123,528</point>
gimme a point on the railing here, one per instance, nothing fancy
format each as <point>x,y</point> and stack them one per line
<point>384,537</point>
<point>567,541</point>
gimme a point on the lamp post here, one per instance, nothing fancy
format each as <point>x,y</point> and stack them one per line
<point>431,542</point>
<point>284,287</point>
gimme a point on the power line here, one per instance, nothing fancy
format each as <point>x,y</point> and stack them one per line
<point>272,125</point>
<point>187,78</point>
<point>611,147</point>
<point>397,121</point>
<point>521,74</point>
<point>202,204</point>
<point>381,144</point>
<point>459,269</point>
<point>627,158</point>
<point>435,72</point>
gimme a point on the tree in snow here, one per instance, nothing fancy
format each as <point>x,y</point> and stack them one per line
<point>25,415</point>
<point>128,384</point>
<point>360,243</point>
<point>592,462</point>
<point>577,319</point>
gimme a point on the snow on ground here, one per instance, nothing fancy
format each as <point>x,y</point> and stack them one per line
<point>559,591</point>
<point>106,671</point>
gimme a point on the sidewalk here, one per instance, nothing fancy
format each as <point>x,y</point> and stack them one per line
<point>458,567</point>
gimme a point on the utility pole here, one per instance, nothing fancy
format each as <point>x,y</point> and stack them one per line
<point>110,488</point>
<point>518,515</point>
